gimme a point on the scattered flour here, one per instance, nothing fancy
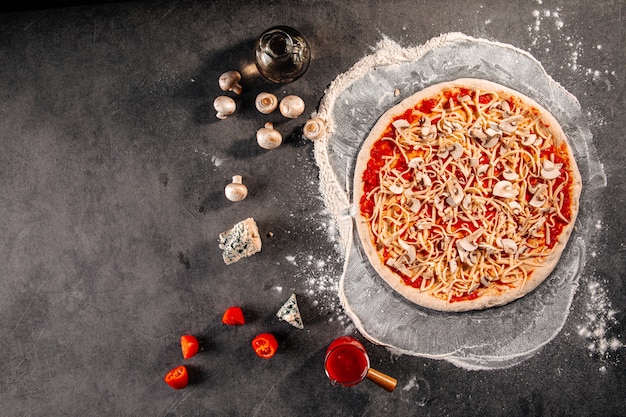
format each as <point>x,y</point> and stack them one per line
<point>564,38</point>
<point>216,161</point>
<point>416,391</point>
<point>204,154</point>
<point>319,268</point>
<point>320,276</point>
<point>599,319</point>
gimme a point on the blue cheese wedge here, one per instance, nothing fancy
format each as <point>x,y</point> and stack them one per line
<point>290,312</point>
<point>241,241</point>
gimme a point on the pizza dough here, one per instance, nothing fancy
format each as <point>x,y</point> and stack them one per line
<point>467,194</point>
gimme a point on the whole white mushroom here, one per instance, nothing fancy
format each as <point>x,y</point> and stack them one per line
<point>314,128</point>
<point>266,102</point>
<point>291,106</point>
<point>229,81</point>
<point>236,190</point>
<point>268,138</point>
<point>224,106</point>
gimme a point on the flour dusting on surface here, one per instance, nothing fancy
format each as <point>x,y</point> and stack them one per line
<point>599,320</point>
<point>320,276</point>
<point>318,267</point>
<point>549,32</point>
<point>415,391</point>
<point>216,161</point>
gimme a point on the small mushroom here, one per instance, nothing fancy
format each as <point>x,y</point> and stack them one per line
<point>476,234</point>
<point>538,200</point>
<point>453,266</point>
<point>291,106</point>
<point>457,151</point>
<point>467,202</point>
<point>400,124</point>
<point>533,188</point>
<point>314,129</point>
<point>529,140</point>
<point>508,173</point>
<point>505,106</point>
<point>463,253</point>
<point>266,102</point>
<point>268,138</point>
<point>509,125</point>
<point>229,81</point>
<point>443,152</point>
<point>455,192</point>
<point>482,170</point>
<point>416,205</point>
<point>468,243</point>
<point>494,138</point>
<point>428,131</point>
<point>478,134</point>
<point>236,190</point>
<point>396,189</point>
<point>411,253</point>
<point>504,189</point>
<point>508,245</point>
<point>550,170</point>
<point>515,207</point>
<point>224,106</point>
<point>416,162</point>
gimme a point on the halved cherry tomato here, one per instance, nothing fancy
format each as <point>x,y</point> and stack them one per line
<point>189,345</point>
<point>265,345</point>
<point>233,316</point>
<point>177,378</point>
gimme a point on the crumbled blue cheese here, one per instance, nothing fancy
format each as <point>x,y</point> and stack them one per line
<point>241,241</point>
<point>290,312</point>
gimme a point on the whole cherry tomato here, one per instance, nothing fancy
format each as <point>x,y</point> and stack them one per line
<point>177,378</point>
<point>233,316</point>
<point>189,345</point>
<point>265,345</point>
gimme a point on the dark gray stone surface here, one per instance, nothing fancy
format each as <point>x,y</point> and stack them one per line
<point>113,167</point>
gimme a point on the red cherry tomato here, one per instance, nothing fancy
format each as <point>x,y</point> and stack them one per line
<point>265,345</point>
<point>233,316</point>
<point>189,345</point>
<point>177,378</point>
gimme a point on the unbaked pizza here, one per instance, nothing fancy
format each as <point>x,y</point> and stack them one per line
<point>467,193</point>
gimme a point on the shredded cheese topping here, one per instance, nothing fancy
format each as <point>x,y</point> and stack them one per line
<point>467,193</point>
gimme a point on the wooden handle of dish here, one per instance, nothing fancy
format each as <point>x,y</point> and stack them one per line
<point>382,380</point>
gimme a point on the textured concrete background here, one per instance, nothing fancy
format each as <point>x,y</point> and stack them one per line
<point>112,171</point>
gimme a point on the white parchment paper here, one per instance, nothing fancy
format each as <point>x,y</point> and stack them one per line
<point>493,338</point>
